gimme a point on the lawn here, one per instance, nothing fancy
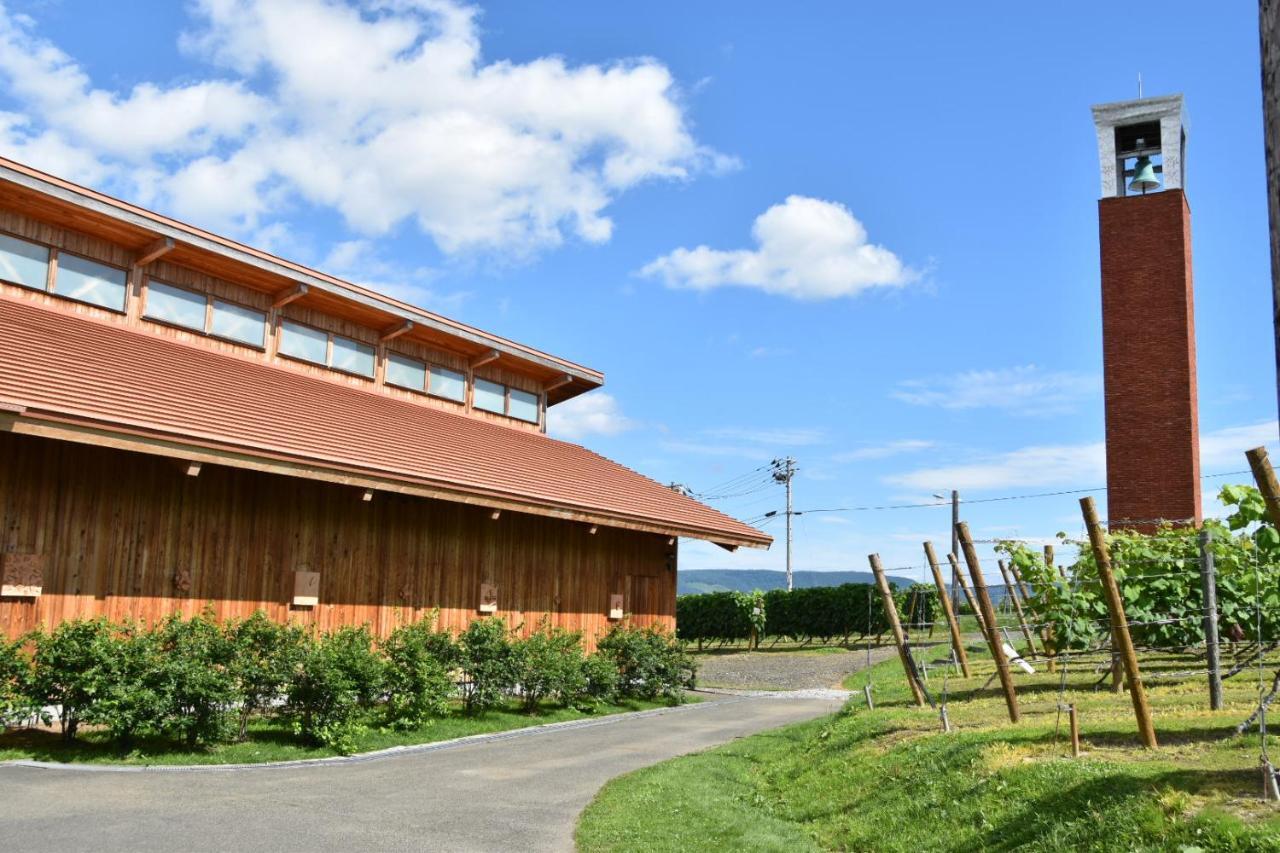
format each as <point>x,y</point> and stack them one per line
<point>273,739</point>
<point>888,779</point>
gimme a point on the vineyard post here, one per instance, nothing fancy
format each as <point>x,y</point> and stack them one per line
<point>891,613</point>
<point>1050,647</point>
<point>989,617</point>
<point>957,642</point>
<point>1209,584</point>
<point>1075,731</point>
<point>1265,476</point>
<point>968,596</point>
<point>1017,578</point>
<point>1119,623</point>
<point>1012,592</point>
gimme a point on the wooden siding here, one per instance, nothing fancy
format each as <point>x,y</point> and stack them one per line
<point>131,535</point>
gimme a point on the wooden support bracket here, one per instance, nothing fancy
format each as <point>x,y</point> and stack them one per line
<point>153,251</point>
<point>557,383</point>
<point>396,331</point>
<point>484,358</point>
<point>291,294</point>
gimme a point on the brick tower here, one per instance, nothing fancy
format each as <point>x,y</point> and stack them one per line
<point>1148,316</point>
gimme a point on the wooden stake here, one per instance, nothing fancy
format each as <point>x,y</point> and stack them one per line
<point>1075,731</point>
<point>1050,647</point>
<point>989,616</point>
<point>1119,623</point>
<point>957,642</point>
<point>1012,592</point>
<point>968,596</point>
<point>1017,578</point>
<point>1265,476</point>
<point>891,613</point>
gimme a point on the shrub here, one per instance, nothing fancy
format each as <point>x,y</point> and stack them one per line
<point>324,695</point>
<point>601,676</point>
<point>264,655</point>
<point>364,667</point>
<point>650,662</point>
<point>196,657</point>
<point>133,694</point>
<point>72,668</point>
<point>15,683</point>
<point>417,675</point>
<point>548,664</point>
<point>487,661</point>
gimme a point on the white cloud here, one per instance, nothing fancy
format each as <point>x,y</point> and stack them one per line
<point>1076,465</point>
<point>593,413</point>
<point>806,248</point>
<point>883,451</point>
<point>385,112</point>
<point>1024,390</point>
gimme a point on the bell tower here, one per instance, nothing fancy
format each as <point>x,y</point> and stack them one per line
<point>1148,314</point>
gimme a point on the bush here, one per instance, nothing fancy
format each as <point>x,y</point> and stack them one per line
<point>650,662</point>
<point>15,684</point>
<point>715,616</point>
<point>364,667</point>
<point>417,675</point>
<point>72,668</point>
<point>487,660</point>
<point>133,694</point>
<point>264,655</point>
<point>548,664</point>
<point>601,676</point>
<point>324,695</point>
<point>196,656</point>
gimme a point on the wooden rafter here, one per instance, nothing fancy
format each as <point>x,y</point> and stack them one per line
<point>396,331</point>
<point>557,383</point>
<point>290,295</point>
<point>154,250</point>
<point>484,358</point>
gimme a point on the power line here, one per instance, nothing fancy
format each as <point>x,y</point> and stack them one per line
<point>981,500</point>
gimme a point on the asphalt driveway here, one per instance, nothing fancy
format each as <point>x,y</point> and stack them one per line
<point>521,791</point>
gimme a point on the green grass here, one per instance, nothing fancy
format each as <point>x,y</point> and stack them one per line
<point>274,740</point>
<point>889,780</point>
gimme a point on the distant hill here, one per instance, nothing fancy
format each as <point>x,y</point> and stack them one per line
<point>746,580</point>
<point>695,581</point>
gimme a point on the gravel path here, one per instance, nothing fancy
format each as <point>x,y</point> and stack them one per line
<point>770,670</point>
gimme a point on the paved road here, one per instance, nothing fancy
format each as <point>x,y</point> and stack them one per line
<point>522,792</point>
<point>778,670</point>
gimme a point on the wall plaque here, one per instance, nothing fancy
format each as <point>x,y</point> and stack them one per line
<point>615,606</point>
<point>488,598</point>
<point>23,575</point>
<point>306,589</point>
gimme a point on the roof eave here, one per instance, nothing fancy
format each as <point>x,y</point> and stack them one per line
<point>26,421</point>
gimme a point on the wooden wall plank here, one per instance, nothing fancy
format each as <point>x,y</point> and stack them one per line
<point>131,536</point>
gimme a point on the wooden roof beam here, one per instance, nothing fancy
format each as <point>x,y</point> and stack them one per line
<point>557,383</point>
<point>485,358</point>
<point>291,294</point>
<point>396,331</point>
<point>154,250</point>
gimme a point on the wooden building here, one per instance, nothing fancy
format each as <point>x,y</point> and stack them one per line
<point>186,421</point>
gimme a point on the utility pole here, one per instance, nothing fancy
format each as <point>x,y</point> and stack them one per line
<point>783,471</point>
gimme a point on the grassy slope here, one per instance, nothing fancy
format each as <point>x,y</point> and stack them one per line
<point>887,780</point>
<point>274,740</point>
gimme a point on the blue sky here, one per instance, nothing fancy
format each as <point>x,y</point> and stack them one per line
<point>898,283</point>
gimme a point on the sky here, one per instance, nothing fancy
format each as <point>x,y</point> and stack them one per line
<point>863,235</point>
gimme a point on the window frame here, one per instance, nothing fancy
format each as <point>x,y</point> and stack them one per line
<point>327,364</point>
<point>537,406</point>
<point>55,266</point>
<point>386,371</point>
<point>506,401</point>
<point>51,274</point>
<point>461,401</point>
<point>50,254</point>
<point>209,308</point>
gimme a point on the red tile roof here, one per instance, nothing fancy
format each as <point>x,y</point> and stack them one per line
<point>64,367</point>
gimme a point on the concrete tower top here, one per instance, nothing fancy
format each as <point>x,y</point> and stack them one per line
<point>1131,130</point>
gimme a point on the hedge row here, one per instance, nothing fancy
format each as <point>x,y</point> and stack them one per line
<point>802,615</point>
<point>201,682</point>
